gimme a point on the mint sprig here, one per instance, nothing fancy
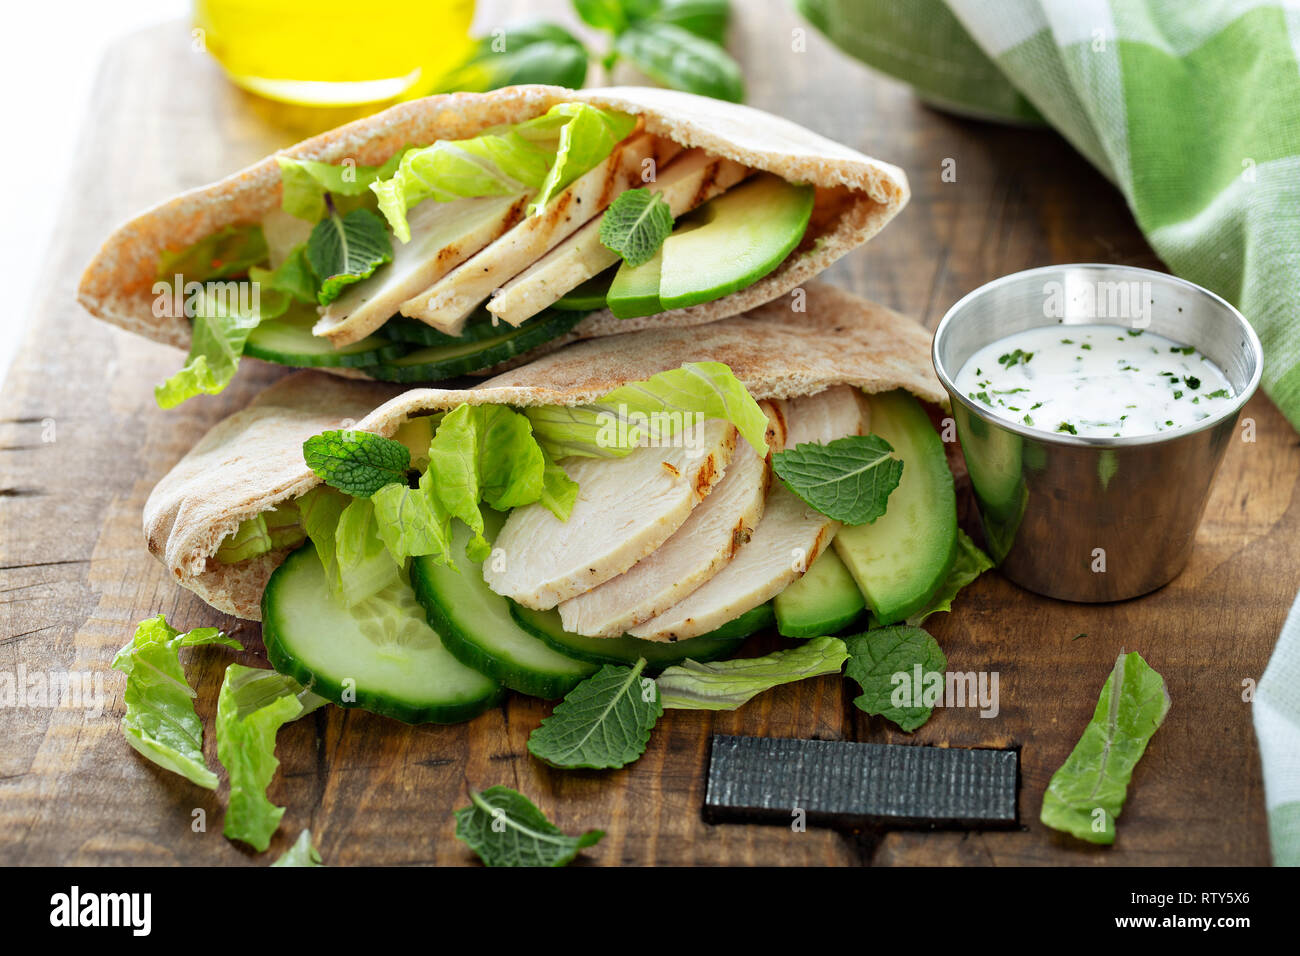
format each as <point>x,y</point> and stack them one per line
<point>601,724</point>
<point>346,249</point>
<point>879,654</point>
<point>849,479</point>
<point>357,463</point>
<point>505,828</point>
<point>635,225</point>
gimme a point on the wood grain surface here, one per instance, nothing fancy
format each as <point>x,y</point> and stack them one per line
<point>82,443</point>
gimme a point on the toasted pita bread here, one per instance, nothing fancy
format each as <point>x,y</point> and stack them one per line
<point>856,195</point>
<point>252,460</point>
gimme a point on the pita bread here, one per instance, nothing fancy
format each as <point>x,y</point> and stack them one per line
<point>252,460</point>
<point>856,195</point>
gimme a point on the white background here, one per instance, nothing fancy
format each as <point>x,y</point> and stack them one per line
<point>49,52</point>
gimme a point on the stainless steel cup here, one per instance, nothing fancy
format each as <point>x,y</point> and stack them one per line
<point>1094,519</point>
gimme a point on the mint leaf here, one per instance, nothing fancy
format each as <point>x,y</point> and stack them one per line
<point>505,829</point>
<point>601,724</point>
<point>346,249</point>
<point>1086,795</point>
<point>160,720</point>
<point>884,662</point>
<point>635,225</point>
<point>302,853</point>
<point>725,685</point>
<point>849,479</point>
<point>969,564</point>
<point>252,706</point>
<point>358,463</point>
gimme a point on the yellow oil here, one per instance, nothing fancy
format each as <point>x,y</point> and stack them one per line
<point>335,52</point>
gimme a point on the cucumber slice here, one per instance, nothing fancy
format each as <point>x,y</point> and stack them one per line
<point>478,627</point>
<point>381,656</point>
<point>479,327</point>
<point>589,296</point>
<point>288,341</point>
<point>626,650</point>
<point>824,601</point>
<point>446,361</point>
<point>901,558</point>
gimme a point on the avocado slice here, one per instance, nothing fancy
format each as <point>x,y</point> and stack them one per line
<point>824,601</point>
<point>635,289</point>
<point>901,558</point>
<point>733,240</point>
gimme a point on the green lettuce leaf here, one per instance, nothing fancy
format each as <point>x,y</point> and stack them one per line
<point>307,181</point>
<point>363,564</point>
<point>320,509</point>
<point>252,706</point>
<point>878,656</point>
<point>281,527</point>
<point>559,491</point>
<point>412,521</point>
<point>220,330</point>
<point>654,409</point>
<point>1085,796</point>
<point>302,853</point>
<point>292,280</point>
<point>160,720</point>
<point>230,252</point>
<point>725,685</point>
<point>505,828</point>
<point>601,724</point>
<point>541,155</point>
<point>969,564</point>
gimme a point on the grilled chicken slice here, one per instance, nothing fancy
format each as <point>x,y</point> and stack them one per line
<point>688,181</point>
<point>626,508</point>
<point>705,542</point>
<point>443,235</point>
<point>449,301</point>
<point>788,539</point>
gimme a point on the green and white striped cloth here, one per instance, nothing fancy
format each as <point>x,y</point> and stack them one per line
<point>1192,109</point>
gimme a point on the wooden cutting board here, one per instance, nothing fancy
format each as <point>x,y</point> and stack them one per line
<point>82,443</point>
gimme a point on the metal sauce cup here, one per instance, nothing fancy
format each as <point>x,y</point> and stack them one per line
<point>1082,518</point>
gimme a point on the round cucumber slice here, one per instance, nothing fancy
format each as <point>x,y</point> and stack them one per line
<point>477,627</point>
<point>288,341</point>
<point>627,650</point>
<point>479,327</point>
<point>381,655</point>
<point>589,296</point>
<point>447,361</point>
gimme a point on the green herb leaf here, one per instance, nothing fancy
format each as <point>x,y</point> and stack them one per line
<point>363,564</point>
<point>505,828</point>
<point>220,329</point>
<point>302,853</point>
<point>292,279</point>
<point>229,252</point>
<point>678,58</point>
<point>160,720</point>
<point>306,182</point>
<point>412,521</point>
<point>602,14</point>
<point>1086,795</point>
<point>969,564</point>
<point>252,706</point>
<point>603,723</point>
<point>635,225</point>
<point>346,249</point>
<point>559,491</point>
<point>884,662</point>
<point>358,463</point>
<point>528,53</point>
<point>849,479</point>
<point>704,18</point>
<point>725,685</point>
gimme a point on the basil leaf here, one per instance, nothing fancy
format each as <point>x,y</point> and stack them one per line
<point>505,828</point>
<point>346,249</point>
<point>884,662</point>
<point>678,58</point>
<point>1086,795</point>
<point>602,14</point>
<point>355,462</point>
<point>530,53</point>
<point>849,479</point>
<point>969,564</point>
<point>704,18</point>
<point>601,724</point>
<point>302,853</point>
<point>725,685</point>
<point>635,225</point>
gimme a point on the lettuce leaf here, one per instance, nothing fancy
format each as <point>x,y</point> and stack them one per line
<point>541,155</point>
<point>220,330</point>
<point>281,527</point>
<point>252,706</point>
<point>654,409</point>
<point>559,491</point>
<point>969,564</point>
<point>305,183</point>
<point>363,564</point>
<point>302,853</point>
<point>229,252</point>
<point>320,509</point>
<point>160,720</point>
<point>412,521</point>
<point>293,279</point>
<point>725,685</point>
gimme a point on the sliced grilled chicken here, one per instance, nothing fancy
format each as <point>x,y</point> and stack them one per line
<point>449,301</point>
<point>705,542</point>
<point>689,180</point>
<point>626,508</point>
<point>787,540</point>
<point>443,235</point>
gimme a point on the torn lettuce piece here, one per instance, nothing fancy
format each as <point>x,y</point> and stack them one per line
<point>653,410</point>
<point>293,279</point>
<point>230,252</point>
<point>305,182</point>
<point>541,155</point>
<point>412,521</point>
<point>281,527</point>
<point>725,685</point>
<point>302,853</point>
<point>969,564</point>
<point>253,705</point>
<point>160,720</point>
<point>220,330</point>
<point>363,565</point>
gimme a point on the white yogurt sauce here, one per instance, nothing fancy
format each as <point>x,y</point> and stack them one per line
<point>1095,380</point>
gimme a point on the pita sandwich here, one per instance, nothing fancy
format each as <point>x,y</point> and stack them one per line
<point>471,231</point>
